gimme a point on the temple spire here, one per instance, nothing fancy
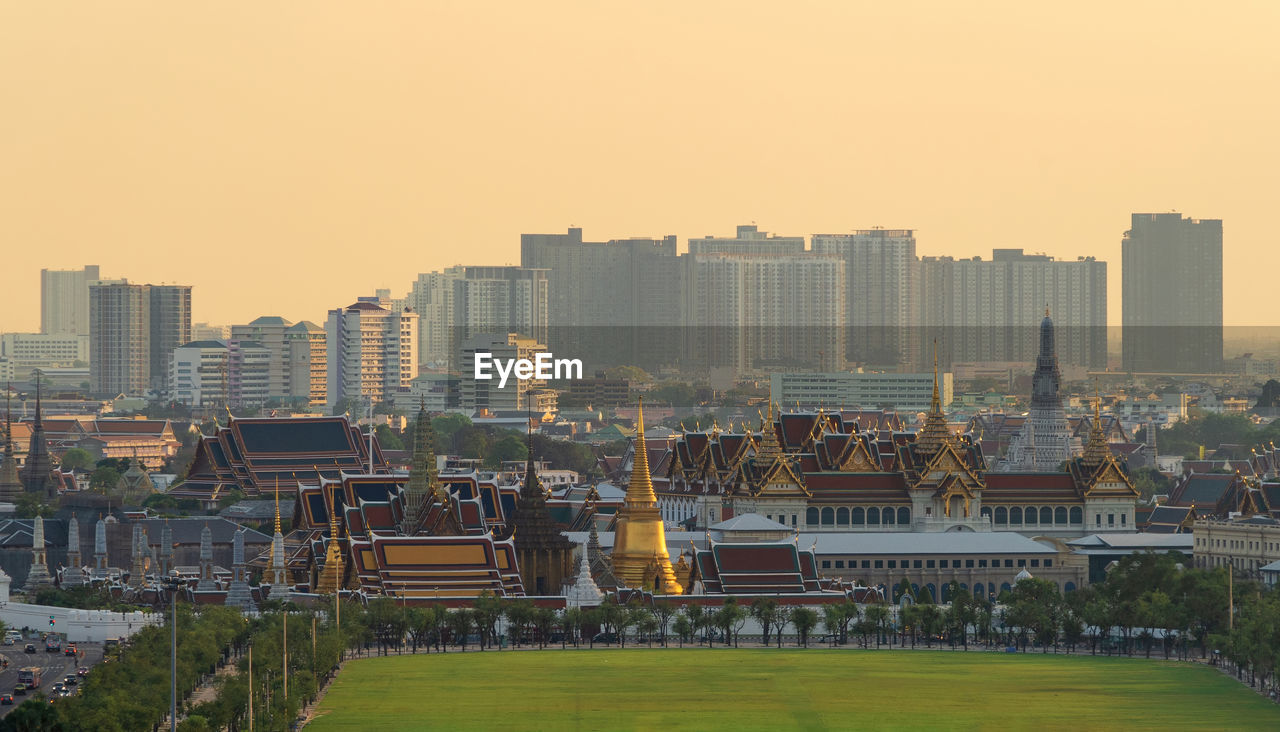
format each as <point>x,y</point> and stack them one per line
<point>640,487</point>
<point>934,433</point>
<point>422,474</point>
<point>10,481</point>
<point>640,559</point>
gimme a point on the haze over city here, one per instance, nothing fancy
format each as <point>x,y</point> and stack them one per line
<point>287,159</point>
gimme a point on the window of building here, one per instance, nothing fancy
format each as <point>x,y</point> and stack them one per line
<point>1123,517</point>
<point>866,564</point>
<point>1099,519</point>
<point>1022,562</point>
<point>893,564</point>
<point>1111,519</point>
<point>916,564</point>
<point>982,563</point>
<point>826,564</point>
<point>929,563</point>
<point>955,564</point>
<point>1048,563</point>
<point>968,564</point>
<point>879,564</point>
<point>839,564</point>
<point>1035,562</point>
<point>1008,563</point>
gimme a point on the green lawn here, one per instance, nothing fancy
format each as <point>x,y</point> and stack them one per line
<point>763,689</point>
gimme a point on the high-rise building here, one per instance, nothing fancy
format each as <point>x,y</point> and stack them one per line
<point>269,332</point>
<point>64,300</point>
<point>308,363</point>
<point>748,240</point>
<point>372,351</point>
<point>133,330</point>
<point>119,338</point>
<point>612,302</point>
<point>1171,270</point>
<point>44,350</point>
<point>170,327</point>
<point>981,311</point>
<point>882,299</point>
<point>516,395</point>
<point>762,312</point>
<point>431,297</point>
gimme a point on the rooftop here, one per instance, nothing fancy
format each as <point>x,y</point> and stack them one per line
<point>903,543</point>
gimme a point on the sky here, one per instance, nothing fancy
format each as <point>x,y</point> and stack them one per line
<point>284,158</point>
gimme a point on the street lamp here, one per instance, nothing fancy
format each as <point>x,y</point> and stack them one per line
<point>172,583</point>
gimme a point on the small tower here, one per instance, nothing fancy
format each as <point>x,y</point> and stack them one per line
<point>275,569</point>
<point>72,574</point>
<point>38,465</point>
<point>584,591</point>
<point>206,583</point>
<point>542,552</point>
<point>38,578</point>
<point>138,565</point>
<point>166,548</point>
<point>10,481</point>
<point>640,559</point>
<point>422,476</point>
<point>238,594</point>
<point>100,547</point>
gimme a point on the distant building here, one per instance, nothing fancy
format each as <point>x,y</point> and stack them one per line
<point>29,351</point>
<point>517,395</point>
<point>899,392</point>
<point>1245,544</point>
<point>748,240</point>
<point>133,330</point>
<point>207,332</point>
<point>434,392</point>
<point>64,300</point>
<point>981,311</point>
<point>269,332</point>
<point>1172,293</point>
<point>882,304</point>
<point>372,351</point>
<point>308,363</point>
<point>211,374</point>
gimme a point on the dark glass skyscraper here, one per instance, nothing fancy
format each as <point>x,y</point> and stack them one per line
<point>1172,294</point>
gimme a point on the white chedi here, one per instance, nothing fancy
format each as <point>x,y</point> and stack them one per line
<point>584,591</point>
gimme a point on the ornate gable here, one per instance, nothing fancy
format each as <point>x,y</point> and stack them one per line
<point>1110,479</point>
<point>858,460</point>
<point>948,462</point>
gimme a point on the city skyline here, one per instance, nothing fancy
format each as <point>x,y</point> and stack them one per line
<point>342,148</point>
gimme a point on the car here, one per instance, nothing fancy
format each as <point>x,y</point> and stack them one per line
<point>59,687</point>
<point>605,638</point>
<point>6,699</point>
<point>8,640</point>
<point>31,648</point>
<point>70,650</point>
<point>20,690</point>
<point>82,671</point>
<point>70,680</point>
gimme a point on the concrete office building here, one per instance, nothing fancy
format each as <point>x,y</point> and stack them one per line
<point>44,351</point>
<point>170,327</point>
<point>748,240</point>
<point>308,363</point>
<point>1171,269</point>
<point>64,300</point>
<point>269,331</point>
<point>119,338</point>
<point>213,374</point>
<point>858,390</point>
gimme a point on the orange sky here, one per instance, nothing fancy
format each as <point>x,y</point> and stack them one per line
<point>286,157</point>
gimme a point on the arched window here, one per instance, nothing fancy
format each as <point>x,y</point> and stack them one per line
<point>859,517</point>
<point>946,592</point>
<point>991,590</point>
<point>1002,516</point>
<point>842,516</point>
<point>1029,517</point>
<point>1004,587</point>
<point>1046,516</point>
<point>811,517</point>
<point>1077,515</point>
<point>1060,515</point>
<point>1069,587</point>
<point>904,515</point>
<point>1015,515</point>
<point>887,515</point>
<point>873,516</point>
<point>979,591</point>
<point>828,516</point>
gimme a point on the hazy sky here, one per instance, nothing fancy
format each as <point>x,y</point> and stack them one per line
<point>286,157</point>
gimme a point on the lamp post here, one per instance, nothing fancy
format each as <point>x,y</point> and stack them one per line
<point>172,582</point>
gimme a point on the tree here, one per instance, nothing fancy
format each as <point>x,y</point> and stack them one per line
<point>662,612</point>
<point>104,479</point>
<point>460,622</point>
<point>29,505</point>
<point>731,618</point>
<point>507,448</point>
<point>75,458</point>
<point>877,618</point>
<point>682,627</point>
<point>388,438</point>
<point>804,619</point>
<point>765,611</point>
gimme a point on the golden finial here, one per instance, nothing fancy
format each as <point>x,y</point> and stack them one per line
<point>277,503</point>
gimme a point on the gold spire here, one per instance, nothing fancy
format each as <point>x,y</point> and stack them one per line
<point>934,433</point>
<point>770,448</point>
<point>1096,452</point>
<point>640,488</point>
<point>278,503</point>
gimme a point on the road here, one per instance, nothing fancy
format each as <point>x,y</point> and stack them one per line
<point>55,667</point>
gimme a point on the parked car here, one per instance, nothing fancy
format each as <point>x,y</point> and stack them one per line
<point>605,638</point>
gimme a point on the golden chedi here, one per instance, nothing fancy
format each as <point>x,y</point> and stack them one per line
<point>640,558</point>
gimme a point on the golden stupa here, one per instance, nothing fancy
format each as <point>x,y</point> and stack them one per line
<point>640,558</point>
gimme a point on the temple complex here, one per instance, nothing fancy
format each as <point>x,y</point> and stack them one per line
<point>640,559</point>
<point>10,481</point>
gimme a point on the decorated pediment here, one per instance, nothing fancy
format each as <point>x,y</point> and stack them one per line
<point>780,479</point>
<point>858,460</point>
<point>1110,479</point>
<point>947,462</point>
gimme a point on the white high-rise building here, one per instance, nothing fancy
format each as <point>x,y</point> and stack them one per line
<point>432,299</point>
<point>747,240</point>
<point>308,363</point>
<point>372,351</point>
<point>210,374</point>
<point>460,302</point>
<point>64,300</point>
<point>882,302</point>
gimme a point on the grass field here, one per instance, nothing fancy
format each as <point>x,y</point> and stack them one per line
<point>762,689</point>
